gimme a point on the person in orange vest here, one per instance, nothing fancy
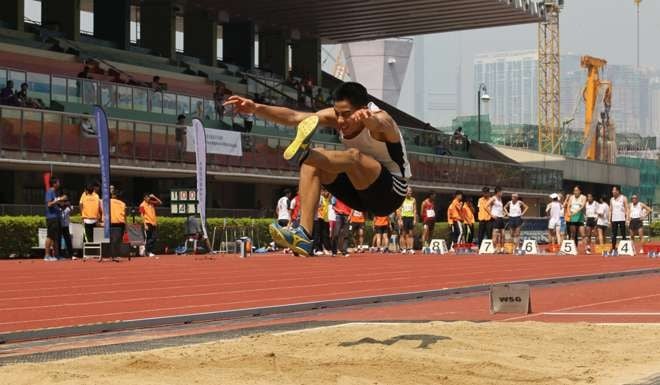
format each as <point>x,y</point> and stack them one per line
<point>357,226</point>
<point>117,224</point>
<point>148,213</point>
<point>90,210</point>
<point>455,218</point>
<point>468,220</point>
<point>483,215</point>
<point>381,227</point>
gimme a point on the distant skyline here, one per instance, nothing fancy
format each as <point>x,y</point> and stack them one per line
<point>601,28</point>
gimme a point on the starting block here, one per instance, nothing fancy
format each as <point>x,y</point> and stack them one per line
<point>568,247</point>
<point>626,247</point>
<point>510,298</point>
<point>438,246</point>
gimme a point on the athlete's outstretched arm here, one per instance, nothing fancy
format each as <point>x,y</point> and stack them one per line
<point>280,115</point>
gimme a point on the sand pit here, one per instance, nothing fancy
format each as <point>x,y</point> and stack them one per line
<point>458,353</point>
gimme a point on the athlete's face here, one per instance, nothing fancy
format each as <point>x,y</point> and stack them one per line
<point>347,120</point>
<point>577,192</point>
<point>409,192</point>
<point>634,199</point>
<point>590,198</point>
<point>615,192</point>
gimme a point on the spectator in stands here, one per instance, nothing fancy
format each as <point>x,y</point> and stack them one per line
<point>148,213</point>
<point>23,100</point>
<point>117,224</point>
<point>116,77</point>
<point>65,217</point>
<point>90,210</point>
<point>219,98</point>
<point>180,135</point>
<point>156,85</point>
<point>7,94</point>
<point>84,74</point>
<point>248,122</point>
<point>53,224</point>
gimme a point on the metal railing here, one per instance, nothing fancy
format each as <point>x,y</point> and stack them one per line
<point>25,130</point>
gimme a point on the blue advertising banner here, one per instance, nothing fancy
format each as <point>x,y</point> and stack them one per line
<point>104,160</point>
<point>200,157</point>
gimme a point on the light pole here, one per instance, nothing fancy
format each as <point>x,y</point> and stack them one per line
<point>485,98</point>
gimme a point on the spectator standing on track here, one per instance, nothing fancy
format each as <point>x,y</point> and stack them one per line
<point>407,222</point>
<point>455,219</point>
<point>90,210</point>
<point>591,213</point>
<point>603,219</point>
<point>65,217</point>
<point>148,213</point>
<point>554,211</point>
<point>468,220</point>
<point>636,212</point>
<point>618,214</point>
<point>53,222</point>
<point>485,220</point>
<point>117,224</point>
<point>575,208</point>
<point>428,218</point>
<point>340,233</point>
<point>496,210</point>
<point>381,226</point>
<point>357,228</point>
<point>515,209</point>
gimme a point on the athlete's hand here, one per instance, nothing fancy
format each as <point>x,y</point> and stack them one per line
<point>242,105</point>
<point>361,115</point>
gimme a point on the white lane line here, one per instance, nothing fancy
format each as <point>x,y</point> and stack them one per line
<point>604,313</point>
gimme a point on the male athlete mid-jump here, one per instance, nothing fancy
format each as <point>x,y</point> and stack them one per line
<point>370,175</point>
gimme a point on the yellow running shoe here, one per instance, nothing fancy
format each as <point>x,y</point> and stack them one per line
<point>298,149</point>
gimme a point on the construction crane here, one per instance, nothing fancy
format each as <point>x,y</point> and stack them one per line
<point>598,133</point>
<point>548,77</point>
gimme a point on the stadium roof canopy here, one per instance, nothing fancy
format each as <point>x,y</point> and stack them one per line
<point>341,21</point>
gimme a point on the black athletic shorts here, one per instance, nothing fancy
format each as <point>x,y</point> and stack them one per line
<point>498,223</point>
<point>283,222</point>
<point>591,222</point>
<point>515,222</point>
<point>357,226</point>
<point>408,223</point>
<point>381,229</point>
<point>430,225</point>
<point>636,224</point>
<point>381,198</point>
<point>575,224</point>
<point>54,229</point>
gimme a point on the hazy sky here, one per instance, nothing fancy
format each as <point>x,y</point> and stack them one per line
<point>601,28</point>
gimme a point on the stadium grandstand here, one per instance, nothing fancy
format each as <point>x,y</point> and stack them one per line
<point>146,83</point>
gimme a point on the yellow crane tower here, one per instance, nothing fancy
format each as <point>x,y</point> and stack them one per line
<point>597,132</point>
<point>548,77</point>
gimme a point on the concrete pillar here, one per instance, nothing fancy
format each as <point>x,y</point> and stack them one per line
<point>238,43</point>
<point>306,59</point>
<point>62,16</point>
<point>112,21</point>
<point>12,14</point>
<point>274,52</point>
<point>158,27</point>
<point>200,35</point>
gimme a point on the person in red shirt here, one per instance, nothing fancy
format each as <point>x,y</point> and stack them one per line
<point>295,211</point>
<point>357,226</point>
<point>428,218</point>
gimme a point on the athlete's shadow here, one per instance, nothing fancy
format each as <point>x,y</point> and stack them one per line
<point>425,340</point>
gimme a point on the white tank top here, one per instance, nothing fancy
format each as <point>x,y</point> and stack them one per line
<point>603,214</point>
<point>636,211</point>
<point>497,209</point>
<point>392,156</point>
<point>515,209</point>
<point>555,210</point>
<point>590,209</point>
<point>617,208</point>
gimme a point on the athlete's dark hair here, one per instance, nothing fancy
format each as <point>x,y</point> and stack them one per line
<point>352,92</point>
<point>498,189</point>
<point>458,192</point>
<point>286,191</point>
<point>485,189</point>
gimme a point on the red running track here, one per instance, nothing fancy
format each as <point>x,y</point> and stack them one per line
<point>37,294</point>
